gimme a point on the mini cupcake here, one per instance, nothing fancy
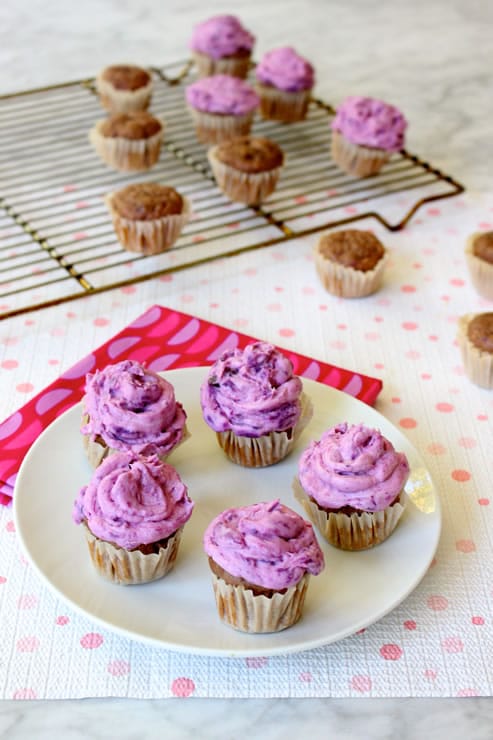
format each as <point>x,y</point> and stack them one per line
<point>350,263</point>
<point>128,141</point>
<point>133,511</point>
<point>255,404</point>
<point>221,45</point>
<point>475,339</point>
<point>148,217</point>
<point>124,88</point>
<point>479,256</point>
<point>365,133</point>
<point>222,107</point>
<point>261,557</point>
<point>247,169</point>
<point>284,82</point>
<point>351,485</point>
<point>128,408</point>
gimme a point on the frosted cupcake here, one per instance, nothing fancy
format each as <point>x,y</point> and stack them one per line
<point>221,45</point>
<point>475,339</point>
<point>284,82</point>
<point>128,408</point>
<point>128,141</point>
<point>124,88</point>
<point>255,404</point>
<point>351,485</point>
<point>261,557</point>
<point>133,511</point>
<point>365,133</point>
<point>222,107</point>
<point>479,256</point>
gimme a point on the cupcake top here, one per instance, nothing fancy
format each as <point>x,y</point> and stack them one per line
<point>222,36</point>
<point>223,94</point>
<point>146,201</point>
<point>126,76</point>
<point>360,250</point>
<point>251,392</point>
<point>482,246</point>
<point>285,69</point>
<point>370,122</point>
<point>353,465</point>
<point>266,544</point>
<point>480,331</point>
<point>134,126</point>
<point>133,500</point>
<point>250,155</point>
<point>132,408</point>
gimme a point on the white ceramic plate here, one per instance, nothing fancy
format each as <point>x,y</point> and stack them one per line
<point>178,612</point>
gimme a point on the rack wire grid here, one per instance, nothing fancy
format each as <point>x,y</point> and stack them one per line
<point>56,237</point>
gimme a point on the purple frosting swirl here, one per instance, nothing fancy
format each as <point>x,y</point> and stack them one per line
<point>370,122</point>
<point>353,466</point>
<point>132,408</point>
<point>285,69</point>
<point>133,500</point>
<point>266,544</point>
<point>251,392</point>
<point>222,94</point>
<point>221,36</point>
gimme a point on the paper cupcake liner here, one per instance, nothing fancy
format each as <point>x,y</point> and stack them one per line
<point>207,66</point>
<point>280,105</point>
<point>123,101</point>
<point>131,567</point>
<point>478,365</point>
<point>481,272</point>
<point>243,187</point>
<point>126,155</point>
<point>271,448</point>
<point>357,160</point>
<point>148,237</point>
<point>241,609</point>
<point>213,128</point>
<point>358,531</point>
<point>346,282</point>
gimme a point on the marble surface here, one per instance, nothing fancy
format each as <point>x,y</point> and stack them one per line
<point>423,56</point>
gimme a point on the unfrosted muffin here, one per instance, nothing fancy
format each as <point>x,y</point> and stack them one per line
<point>133,511</point>
<point>124,88</point>
<point>479,256</point>
<point>284,83</point>
<point>350,263</point>
<point>129,408</point>
<point>128,141</point>
<point>255,404</point>
<point>351,485</point>
<point>365,133</point>
<point>261,557</point>
<point>148,217</point>
<point>247,169</point>
<point>221,45</point>
<point>475,339</point>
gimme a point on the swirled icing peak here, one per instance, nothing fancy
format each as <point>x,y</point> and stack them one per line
<point>132,408</point>
<point>285,69</point>
<point>221,36</point>
<point>266,544</point>
<point>133,500</point>
<point>251,391</point>
<point>370,122</point>
<point>353,465</point>
<point>223,94</point>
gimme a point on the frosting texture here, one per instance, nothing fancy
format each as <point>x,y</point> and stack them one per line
<point>285,69</point>
<point>221,36</point>
<point>353,465</point>
<point>370,122</point>
<point>132,408</point>
<point>251,392</point>
<point>222,94</point>
<point>133,500</point>
<point>266,544</point>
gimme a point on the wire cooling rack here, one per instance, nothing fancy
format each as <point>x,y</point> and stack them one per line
<point>56,238</point>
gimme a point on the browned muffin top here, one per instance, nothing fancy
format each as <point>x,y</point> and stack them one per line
<point>238,581</point>
<point>482,246</point>
<point>250,155</point>
<point>126,76</point>
<point>147,201</point>
<point>480,331</point>
<point>139,125</point>
<point>360,250</point>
